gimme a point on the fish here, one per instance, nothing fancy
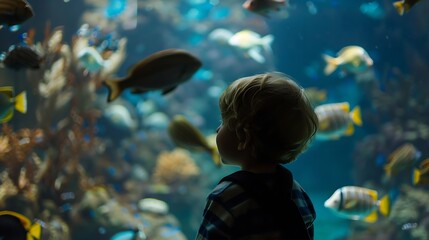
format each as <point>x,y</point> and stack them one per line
<point>17,226</point>
<point>9,102</point>
<point>187,136</point>
<point>400,159</point>
<point>251,42</point>
<point>220,35</point>
<point>336,120</point>
<point>14,12</point>
<point>22,56</point>
<point>358,203</point>
<point>263,7</point>
<point>421,174</point>
<point>403,6</point>
<point>373,10</point>
<point>129,235</point>
<point>351,59</point>
<point>315,95</point>
<point>163,70</point>
<point>90,59</point>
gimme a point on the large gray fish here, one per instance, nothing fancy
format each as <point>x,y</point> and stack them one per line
<point>163,70</point>
<point>185,135</point>
<point>13,12</point>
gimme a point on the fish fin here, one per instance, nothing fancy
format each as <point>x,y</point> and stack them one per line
<point>350,130</point>
<point>399,6</point>
<point>168,90</point>
<point>256,55</point>
<point>416,176</point>
<point>8,116</point>
<point>373,194</point>
<point>384,205</point>
<point>21,102</point>
<point>356,116</point>
<point>372,217</point>
<point>114,89</point>
<point>350,204</point>
<point>331,64</point>
<point>8,90</point>
<point>345,106</point>
<point>267,41</point>
<point>216,157</point>
<point>34,232</point>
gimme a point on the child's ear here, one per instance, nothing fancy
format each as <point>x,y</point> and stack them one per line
<point>245,141</point>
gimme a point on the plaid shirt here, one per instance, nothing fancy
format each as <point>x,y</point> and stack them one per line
<point>228,203</point>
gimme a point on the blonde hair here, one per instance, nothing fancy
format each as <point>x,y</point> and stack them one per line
<point>272,113</point>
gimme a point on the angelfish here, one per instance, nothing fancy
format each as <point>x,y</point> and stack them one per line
<point>187,136</point>
<point>9,102</point>
<point>163,70</point>
<point>336,120</point>
<point>358,203</point>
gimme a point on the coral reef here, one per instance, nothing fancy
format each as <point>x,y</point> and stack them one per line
<point>175,168</point>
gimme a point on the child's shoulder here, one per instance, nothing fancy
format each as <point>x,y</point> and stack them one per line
<point>225,191</point>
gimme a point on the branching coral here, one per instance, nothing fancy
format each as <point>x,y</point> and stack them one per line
<point>17,154</point>
<point>175,167</point>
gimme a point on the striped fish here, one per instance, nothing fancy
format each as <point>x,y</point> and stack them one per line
<point>336,120</point>
<point>358,203</point>
<point>401,158</point>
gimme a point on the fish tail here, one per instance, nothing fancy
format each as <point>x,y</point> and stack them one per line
<point>356,116</point>
<point>35,231</point>
<point>331,64</point>
<point>21,102</point>
<point>372,217</point>
<point>384,205</point>
<point>400,7</point>
<point>416,176</point>
<point>114,89</point>
<point>266,42</point>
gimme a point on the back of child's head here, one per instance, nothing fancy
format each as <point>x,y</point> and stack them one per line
<point>271,113</point>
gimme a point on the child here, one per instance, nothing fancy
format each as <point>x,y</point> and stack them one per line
<point>267,121</point>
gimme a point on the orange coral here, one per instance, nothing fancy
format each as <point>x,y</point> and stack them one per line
<point>175,167</point>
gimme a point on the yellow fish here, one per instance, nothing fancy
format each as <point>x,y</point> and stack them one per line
<point>252,43</point>
<point>401,158</point>
<point>185,135</point>
<point>315,95</point>
<point>421,174</point>
<point>22,226</point>
<point>351,59</point>
<point>358,203</point>
<point>336,120</point>
<point>9,102</point>
<point>404,6</point>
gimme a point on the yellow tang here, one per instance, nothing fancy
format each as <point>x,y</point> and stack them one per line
<point>185,135</point>
<point>33,231</point>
